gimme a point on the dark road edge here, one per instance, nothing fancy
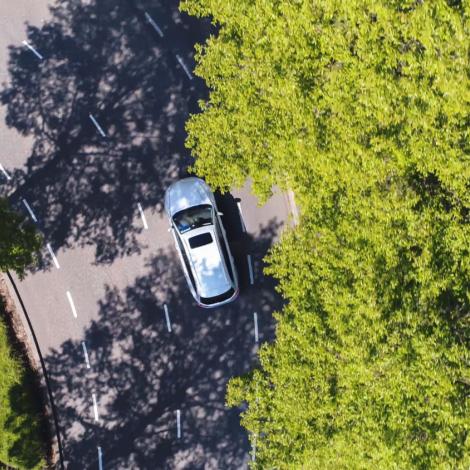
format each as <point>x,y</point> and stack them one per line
<point>44,371</point>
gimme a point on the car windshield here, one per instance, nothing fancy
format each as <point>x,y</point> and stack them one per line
<point>194,217</point>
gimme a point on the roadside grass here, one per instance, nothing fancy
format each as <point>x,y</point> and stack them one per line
<point>22,430</point>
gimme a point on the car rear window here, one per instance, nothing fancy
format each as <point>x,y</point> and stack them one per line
<point>217,298</point>
<point>200,240</point>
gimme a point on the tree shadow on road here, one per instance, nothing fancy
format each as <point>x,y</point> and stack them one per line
<point>101,58</point>
<point>141,373</point>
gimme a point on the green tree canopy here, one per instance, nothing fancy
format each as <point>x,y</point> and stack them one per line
<point>19,241</point>
<point>362,107</point>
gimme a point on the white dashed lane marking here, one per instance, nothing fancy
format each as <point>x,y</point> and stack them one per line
<point>7,176</point>
<point>154,25</point>
<point>255,320</point>
<point>72,305</point>
<point>100,458</point>
<point>95,122</point>
<point>95,407</point>
<point>178,424</point>
<point>241,216</point>
<point>183,65</point>
<point>167,317</point>
<point>28,208</point>
<point>54,259</point>
<point>250,269</point>
<point>142,215</point>
<point>33,50</point>
<point>85,353</point>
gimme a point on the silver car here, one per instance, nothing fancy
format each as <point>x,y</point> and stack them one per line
<point>201,242</point>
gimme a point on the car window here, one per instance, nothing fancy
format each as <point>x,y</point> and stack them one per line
<point>186,262</point>
<point>200,240</point>
<point>218,298</point>
<point>224,252</point>
<point>194,217</point>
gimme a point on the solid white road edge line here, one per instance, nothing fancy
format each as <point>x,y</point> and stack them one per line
<point>255,319</point>
<point>7,176</point>
<point>95,407</point>
<point>250,269</point>
<point>183,65</point>
<point>142,215</point>
<point>178,424</point>
<point>155,25</point>
<point>28,208</point>
<point>95,122</point>
<point>85,353</point>
<point>33,50</point>
<point>72,305</point>
<point>54,259</point>
<point>167,317</point>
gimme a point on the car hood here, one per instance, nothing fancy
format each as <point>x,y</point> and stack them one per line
<point>186,193</point>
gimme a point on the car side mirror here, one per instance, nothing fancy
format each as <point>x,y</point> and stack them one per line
<point>220,213</point>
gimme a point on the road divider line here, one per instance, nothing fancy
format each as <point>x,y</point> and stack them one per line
<point>100,458</point>
<point>142,215</point>
<point>183,65</point>
<point>28,208</point>
<point>250,269</point>
<point>154,25</point>
<point>33,50</point>
<point>255,320</point>
<point>178,424</point>
<point>167,317</point>
<point>7,176</point>
<point>54,259</point>
<point>241,216</point>
<point>95,407</point>
<point>95,122</point>
<point>85,353</point>
<point>72,305</point>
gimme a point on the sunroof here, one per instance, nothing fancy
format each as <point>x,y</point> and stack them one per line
<point>200,240</point>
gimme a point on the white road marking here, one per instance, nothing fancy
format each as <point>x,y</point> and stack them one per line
<point>100,458</point>
<point>167,316</point>
<point>180,60</point>
<point>255,319</point>
<point>241,216</point>
<point>95,122</point>
<point>85,353</point>
<point>155,25</point>
<point>54,259</point>
<point>7,176</point>
<point>178,424</point>
<point>250,269</point>
<point>72,305</point>
<point>142,215</point>
<point>28,208</point>
<point>95,407</point>
<point>33,50</point>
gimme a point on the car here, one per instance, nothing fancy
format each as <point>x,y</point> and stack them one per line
<point>201,242</point>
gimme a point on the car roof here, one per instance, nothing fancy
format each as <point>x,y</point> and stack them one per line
<point>208,264</point>
<point>185,193</point>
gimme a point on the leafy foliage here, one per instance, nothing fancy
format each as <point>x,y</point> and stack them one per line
<point>19,242</point>
<point>363,109</point>
<point>22,438</point>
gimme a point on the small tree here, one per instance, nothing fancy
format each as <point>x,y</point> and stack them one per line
<point>19,241</point>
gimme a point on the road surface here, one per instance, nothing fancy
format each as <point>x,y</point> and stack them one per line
<point>94,104</point>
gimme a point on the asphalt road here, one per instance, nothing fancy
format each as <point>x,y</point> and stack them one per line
<point>134,387</point>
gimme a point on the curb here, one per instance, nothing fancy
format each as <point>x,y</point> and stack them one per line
<point>24,331</point>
